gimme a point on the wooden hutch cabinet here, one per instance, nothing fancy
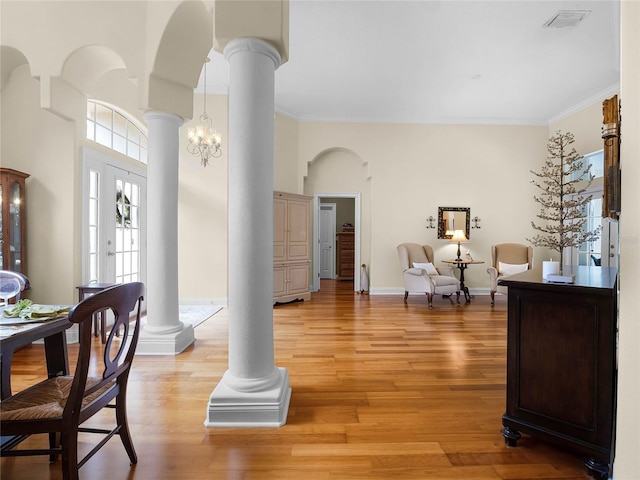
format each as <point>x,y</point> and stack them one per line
<point>13,220</point>
<point>291,247</point>
<point>561,362</point>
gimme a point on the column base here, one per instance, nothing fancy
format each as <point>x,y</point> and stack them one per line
<point>165,344</point>
<point>269,408</point>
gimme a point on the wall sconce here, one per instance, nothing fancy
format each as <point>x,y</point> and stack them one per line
<point>475,221</point>
<point>431,220</point>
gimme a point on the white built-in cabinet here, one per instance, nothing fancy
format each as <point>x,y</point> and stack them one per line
<point>291,247</point>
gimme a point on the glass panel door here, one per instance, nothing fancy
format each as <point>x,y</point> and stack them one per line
<point>114,222</point>
<point>124,244</point>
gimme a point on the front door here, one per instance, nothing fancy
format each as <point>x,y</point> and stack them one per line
<point>124,234</point>
<point>114,221</point>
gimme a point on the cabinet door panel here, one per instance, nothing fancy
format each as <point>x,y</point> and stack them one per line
<point>279,281</point>
<point>298,220</point>
<point>279,229</point>
<point>550,363</point>
<point>298,278</point>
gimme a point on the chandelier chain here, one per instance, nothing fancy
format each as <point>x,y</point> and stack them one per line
<point>204,109</point>
<point>204,141</point>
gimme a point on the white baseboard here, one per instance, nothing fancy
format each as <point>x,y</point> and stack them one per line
<point>221,302</point>
<point>400,291</point>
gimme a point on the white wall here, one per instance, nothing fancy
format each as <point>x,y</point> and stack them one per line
<point>202,213</point>
<point>41,144</point>
<point>414,169</point>
<point>586,126</point>
<point>627,461</point>
<point>287,177</point>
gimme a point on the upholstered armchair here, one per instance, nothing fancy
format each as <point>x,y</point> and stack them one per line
<point>508,259</point>
<point>421,276</point>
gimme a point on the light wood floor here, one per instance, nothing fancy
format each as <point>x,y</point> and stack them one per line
<point>381,389</point>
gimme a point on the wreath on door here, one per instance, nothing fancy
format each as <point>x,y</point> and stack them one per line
<point>123,209</point>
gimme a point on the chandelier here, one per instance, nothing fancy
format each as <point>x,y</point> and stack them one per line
<point>204,141</point>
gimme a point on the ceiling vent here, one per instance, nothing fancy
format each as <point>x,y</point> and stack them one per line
<point>567,18</point>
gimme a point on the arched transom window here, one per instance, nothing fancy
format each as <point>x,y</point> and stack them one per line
<point>114,129</point>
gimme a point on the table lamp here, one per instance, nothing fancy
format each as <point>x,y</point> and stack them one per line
<point>459,237</point>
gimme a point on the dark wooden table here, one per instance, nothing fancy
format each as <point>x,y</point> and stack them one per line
<point>55,344</point>
<point>462,266</point>
<point>100,318</point>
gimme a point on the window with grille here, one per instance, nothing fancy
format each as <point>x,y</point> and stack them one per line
<point>115,130</point>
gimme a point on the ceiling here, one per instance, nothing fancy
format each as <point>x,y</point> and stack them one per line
<point>452,61</point>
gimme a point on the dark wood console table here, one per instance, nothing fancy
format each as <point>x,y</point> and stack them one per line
<point>100,318</point>
<point>561,362</point>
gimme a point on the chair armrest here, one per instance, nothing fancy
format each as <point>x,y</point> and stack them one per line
<point>493,276</point>
<point>418,272</point>
<point>417,280</point>
<point>446,271</point>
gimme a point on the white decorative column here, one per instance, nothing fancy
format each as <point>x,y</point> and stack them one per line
<point>253,391</point>
<point>164,333</point>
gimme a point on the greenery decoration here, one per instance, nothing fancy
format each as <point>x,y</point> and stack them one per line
<point>123,209</point>
<point>563,181</point>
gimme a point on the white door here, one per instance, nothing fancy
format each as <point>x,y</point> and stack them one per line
<point>114,221</point>
<point>610,250</point>
<point>125,195</point>
<point>327,240</point>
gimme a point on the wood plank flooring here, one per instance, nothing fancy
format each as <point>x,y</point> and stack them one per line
<point>381,389</point>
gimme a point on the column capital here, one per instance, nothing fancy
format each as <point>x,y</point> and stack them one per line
<point>252,45</point>
<point>158,115</point>
<point>264,19</point>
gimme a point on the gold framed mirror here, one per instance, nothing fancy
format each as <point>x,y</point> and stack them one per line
<point>453,218</point>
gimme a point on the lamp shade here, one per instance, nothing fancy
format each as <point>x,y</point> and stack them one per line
<point>459,236</point>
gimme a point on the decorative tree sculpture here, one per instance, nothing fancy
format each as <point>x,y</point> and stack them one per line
<point>562,202</point>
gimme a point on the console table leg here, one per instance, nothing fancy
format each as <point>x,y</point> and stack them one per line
<point>596,469</point>
<point>511,436</point>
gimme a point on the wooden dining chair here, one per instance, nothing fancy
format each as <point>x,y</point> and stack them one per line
<point>60,405</point>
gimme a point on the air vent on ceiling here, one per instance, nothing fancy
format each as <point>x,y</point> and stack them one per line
<point>567,18</point>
